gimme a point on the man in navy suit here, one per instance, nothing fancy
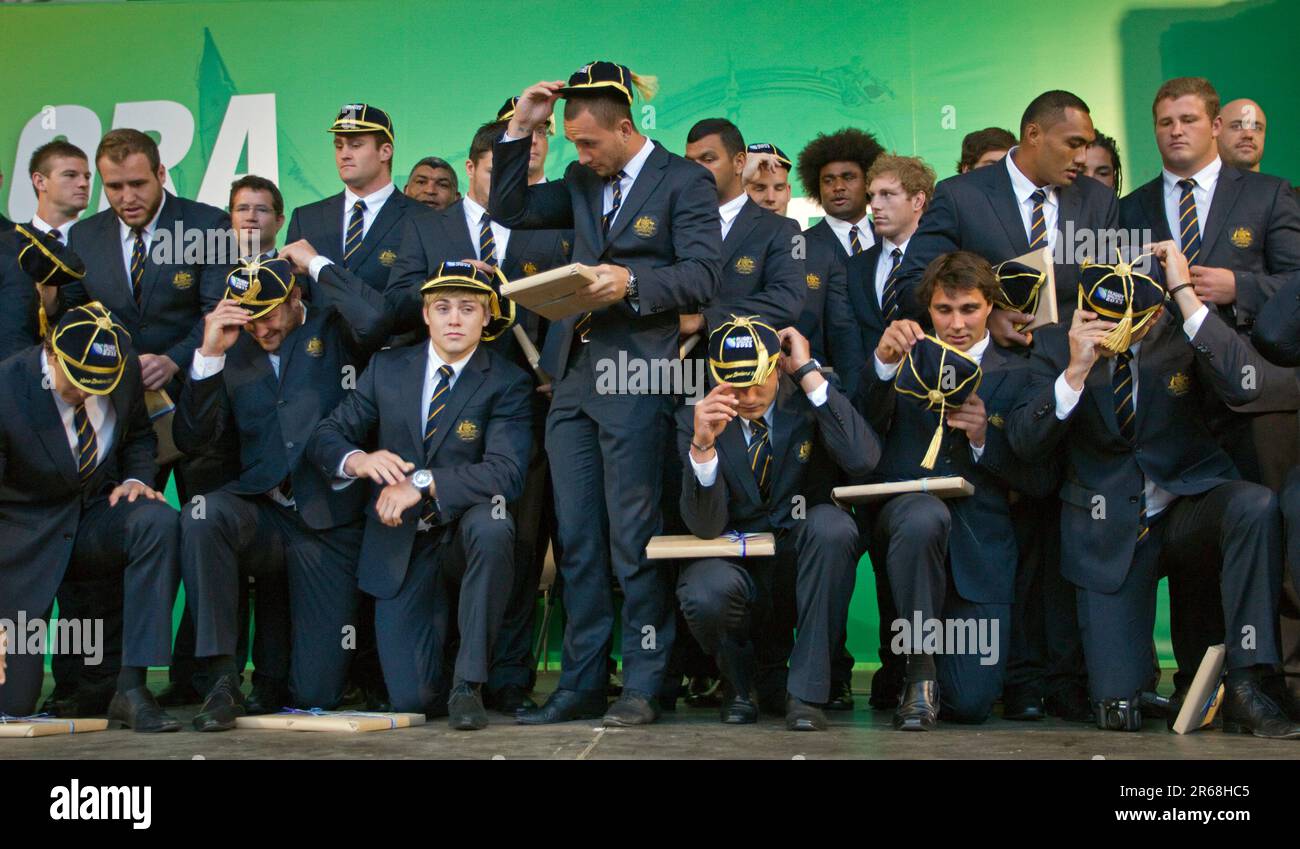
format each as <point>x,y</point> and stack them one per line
<point>647,222</point>
<point>827,319</point>
<point>1147,491</point>
<point>949,560</point>
<point>76,449</point>
<point>747,453</point>
<point>269,369</point>
<point>1034,197</point>
<point>442,432</point>
<point>833,168</point>
<point>359,230</point>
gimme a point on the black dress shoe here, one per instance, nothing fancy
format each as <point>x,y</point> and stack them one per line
<point>841,696</point>
<point>267,698</point>
<point>1023,708</point>
<point>224,705</point>
<point>1247,709</point>
<point>565,706</point>
<point>631,708</point>
<point>465,711</point>
<point>738,709</point>
<point>802,716</point>
<point>177,694</point>
<point>704,692</point>
<point>918,710</point>
<point>1275,687</point>
<point>510,699</point>
<point>136,709</point>
<point>1072,705</point>
<point>886,687</point>
<point>377,700</point>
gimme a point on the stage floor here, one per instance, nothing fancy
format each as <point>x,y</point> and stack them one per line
<point>686,734</point>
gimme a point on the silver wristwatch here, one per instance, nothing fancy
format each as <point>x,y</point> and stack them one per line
<point>421,480</point>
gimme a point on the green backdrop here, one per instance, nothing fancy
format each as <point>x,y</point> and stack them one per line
<point>230,87</point>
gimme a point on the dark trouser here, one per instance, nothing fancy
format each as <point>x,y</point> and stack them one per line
<point>463,573</point>
<point>1046,650</point>
<point>268,607</point>
<point>607,453</point>
<point>241,535</point>
<point>911,532</point>
<point>136,542</point>
<point>79,601</point>
<point>513,662</point>
<point>726,603</point>
<point>1222,550</point>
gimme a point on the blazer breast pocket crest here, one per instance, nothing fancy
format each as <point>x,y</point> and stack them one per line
<point>645,226</point>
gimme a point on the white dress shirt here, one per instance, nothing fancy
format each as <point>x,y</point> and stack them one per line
<point>1203,193</point>
<point>128,240</point>
<point>630,172</point>
<point>842,230</point>
<point>729,210</point>
<point>888,372</point>
<point>374,203</point>
<point>707,472</point>
<point>1067,398</point>
<point>1024,189</point>
<point>474,219</point>
<point>884,263</point>
<point>99,409</point>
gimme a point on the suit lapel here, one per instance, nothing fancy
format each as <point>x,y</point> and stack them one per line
<point>785,429</point>
<point>152,270</point>
<point>389,214</point>
<point>47,422</point>
<point>118,298</point>
<point>461,239</point>
<point>1002,197</point>
<point>1149,369</point>
<point>471,378</point>
<point>646,182</point>
<point>332,226</point>
<point>1099,386</point>
<point>1151,196</point>
<point>732,448</point>
<point>746,220</point>
<point>1225,197</point>
<point>1071,201</point>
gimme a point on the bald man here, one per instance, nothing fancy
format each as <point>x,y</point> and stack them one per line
<point>1241,141</point>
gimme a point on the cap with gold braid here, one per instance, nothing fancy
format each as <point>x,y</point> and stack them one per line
<point>1119,293</point>
<point>363,118</point>
<point>610,79</point>
<point>507,111</point>
<point>463,275</point>
<point>260,285</point>
<point>941,376</point>
<point>766,149</point>
<point>49,263</point>
<point>743,351</point>
<point>88,344</point>
<point>1019,286</point>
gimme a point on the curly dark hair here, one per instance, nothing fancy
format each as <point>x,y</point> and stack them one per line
<point>847,145</point>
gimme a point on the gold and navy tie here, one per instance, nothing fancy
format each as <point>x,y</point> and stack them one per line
<point>87,444</point>
<point>138,255</point>
<point>616,183</point>
<point>437,402</point>
<point>855,244</point>
<point>889,296</point>
<point>1189,235</point>
<point>356,229</point>
<point>1125,413</point>
<point>487,245</point>
<point>760,456</point>
<point>1037,219</point>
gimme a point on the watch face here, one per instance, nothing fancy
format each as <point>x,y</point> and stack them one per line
<point>422,479</point>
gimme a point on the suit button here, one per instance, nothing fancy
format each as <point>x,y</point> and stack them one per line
<point>67,536</point>
<point>281,403</point>
<point>288,445</point>
<point>1132,499</point>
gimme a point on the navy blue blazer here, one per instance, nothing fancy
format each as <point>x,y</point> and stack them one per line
<point>982,541</point>
<point>667,232</point>
<point>20,319</point>
<point>481,453</point>
<point>762,274</point>
<point>321,224</point>
<point>827,320</point>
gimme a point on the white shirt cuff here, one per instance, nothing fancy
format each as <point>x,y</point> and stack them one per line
<point>883,371</point>
<point>977,453</point>
<point>342,480</point>
<point>706,473</point>
<point>505,136</point>
<point>818,395</point>
<point>1066,397</point>
<point>203,367</point>
<point>317,263</point>
<point>1192,325</point>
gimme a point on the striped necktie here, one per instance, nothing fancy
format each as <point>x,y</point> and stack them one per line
<point>760,456</point>
<point>437,402</point>
<point>855,244</point>
<point>139,254</point>
<point>1189,235</point>
<point>87,444</point>
<point>616,183</point>
<point>1125,413</point>
<point>889,296</point>
<point>487,245</point>
<point>1037,219</point>
<point>356,229</point>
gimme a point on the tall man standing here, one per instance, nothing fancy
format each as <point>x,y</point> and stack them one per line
<point>647,221</point>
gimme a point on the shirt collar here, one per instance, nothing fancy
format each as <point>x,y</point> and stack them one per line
<point>839,225</point>
<point>887,247</point>
<point>1205,178</point>
<point>767,420</point>
<point>636,163</point>
<point>128,235</point>
<point>45,227</point>
<point>1022,185</point>
<point>977,350</point>
<point>729,210</point>
<point>473,210</point>
<point>374,200</point>
<point>436,362</point>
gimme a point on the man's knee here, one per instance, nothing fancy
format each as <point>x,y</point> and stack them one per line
<point>487,526</point>
<point>833,526</point>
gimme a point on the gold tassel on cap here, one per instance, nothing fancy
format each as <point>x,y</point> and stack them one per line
<point>647,84</point>
<point>932,453</point>
<point>1119,338</point>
